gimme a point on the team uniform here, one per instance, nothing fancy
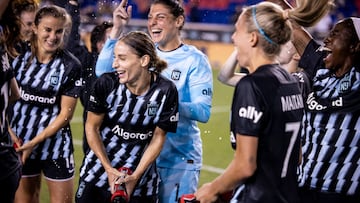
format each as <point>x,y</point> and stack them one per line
<point>126,131</point>
<point>41,88</point>
<point>304,85</point>
<point>10,165</point>
<point>180,160</point>
<point>331,136</point>
<point>87,59</point>
<point>268,104</point>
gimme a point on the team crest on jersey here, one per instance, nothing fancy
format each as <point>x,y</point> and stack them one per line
<point>54,79</point>
<point>345,84</point>
<point>152,109</point>
<point>175,75</point>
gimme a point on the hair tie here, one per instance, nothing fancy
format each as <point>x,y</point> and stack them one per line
<point>261,31</point>
<point>286,14</point>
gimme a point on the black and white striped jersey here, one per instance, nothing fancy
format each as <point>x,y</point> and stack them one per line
<point>9,160</point>
<point>331,133</point>
<point>268,104</point>
<point>41,88</point>
<point>128,127</point>
<point>6,74</point>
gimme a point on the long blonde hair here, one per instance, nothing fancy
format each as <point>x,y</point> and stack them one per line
<point>273,25</point>
<point>309,12</point>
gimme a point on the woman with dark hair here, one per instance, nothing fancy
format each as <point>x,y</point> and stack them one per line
<point>10,164</point>
<point>330,135</point>
<point>25,10</point>
<point>50,80</point>
<point>129,113</point>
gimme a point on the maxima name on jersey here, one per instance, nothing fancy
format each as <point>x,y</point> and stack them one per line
<point>292,102</point>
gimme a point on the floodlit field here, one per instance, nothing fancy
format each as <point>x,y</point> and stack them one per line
<point>215,134</point>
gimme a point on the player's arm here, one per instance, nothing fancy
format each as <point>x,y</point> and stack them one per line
<point>200,84</point>
<point>17,141</point>
<point>149,156</point>
<point>67,106</point>
<point>121,17</point>
<point>92,129</point>
<point>240,168</point>
<point>105,58</point>
<point>14,91</point>
<point>227,74</point>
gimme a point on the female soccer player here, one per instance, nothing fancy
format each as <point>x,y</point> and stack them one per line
<point>49,80</point>
<point>10,164</point>
<point>129,113</point>
<point>180,160</point>
<point>331,131</point>
<point>266,113</point>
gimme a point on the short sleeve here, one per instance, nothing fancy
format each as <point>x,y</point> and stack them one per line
<point>247,111</point>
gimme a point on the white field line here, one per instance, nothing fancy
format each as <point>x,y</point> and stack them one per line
<point>215,109</point>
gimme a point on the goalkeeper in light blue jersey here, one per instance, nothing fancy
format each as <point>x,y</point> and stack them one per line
<point>180,160</point>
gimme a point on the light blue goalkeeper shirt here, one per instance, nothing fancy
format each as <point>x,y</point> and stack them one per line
<point>191,72</point>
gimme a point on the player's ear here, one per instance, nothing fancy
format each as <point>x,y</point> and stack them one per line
<point>145,60</point>
<point>253,39</point>
<point>180,21</point>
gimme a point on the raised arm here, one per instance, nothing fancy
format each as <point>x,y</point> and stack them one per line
<point>121,17</point>
<point>227,74</point>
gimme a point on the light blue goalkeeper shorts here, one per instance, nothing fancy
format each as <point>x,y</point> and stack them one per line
<point>177,182</point>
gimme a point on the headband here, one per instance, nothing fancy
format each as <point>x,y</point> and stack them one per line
<point>261,31</point>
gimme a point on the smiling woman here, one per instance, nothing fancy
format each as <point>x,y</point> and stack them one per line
<point>49,80</point>
<point>129,113</point>
<point>180,161</point>
<point>332,111</point>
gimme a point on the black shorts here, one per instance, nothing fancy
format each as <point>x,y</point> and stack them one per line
<point>56,169</point>
<point>312,196</point>
<point>8,186</point>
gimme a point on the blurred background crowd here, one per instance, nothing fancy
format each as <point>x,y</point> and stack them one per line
<point>222,12</point>
<point>205,11</point>
<point>206,20</point>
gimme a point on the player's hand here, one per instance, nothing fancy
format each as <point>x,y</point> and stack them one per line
<point>25,150</point>
<point>130,182</point>
<point>113,176</point>
<point>122,15</point>
<point>17,141</point>
<point>206,194</point>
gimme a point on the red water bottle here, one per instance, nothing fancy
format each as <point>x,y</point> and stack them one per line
<point>188,198</point>
<point>120,195</point>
